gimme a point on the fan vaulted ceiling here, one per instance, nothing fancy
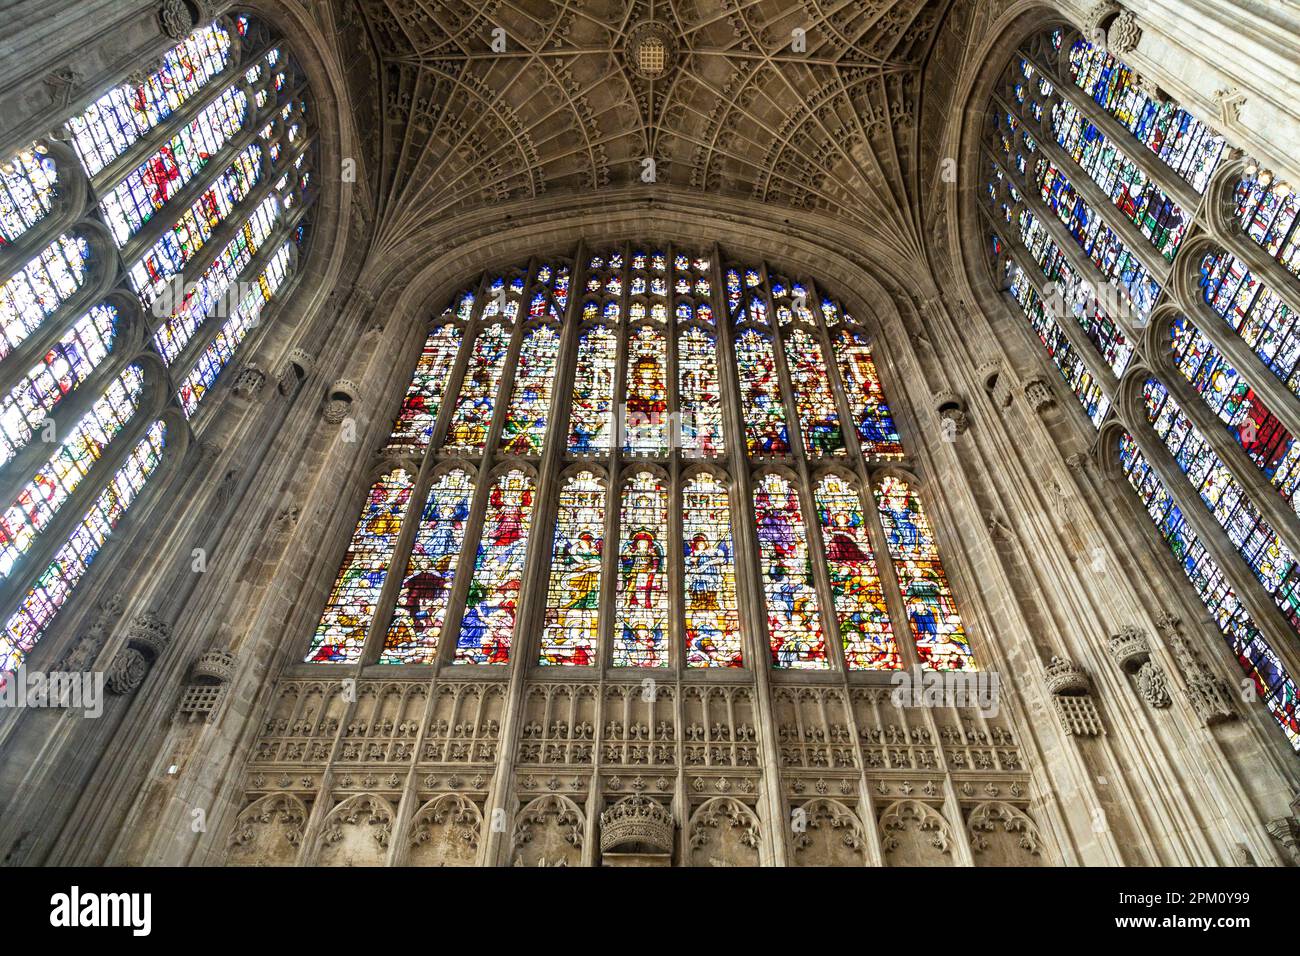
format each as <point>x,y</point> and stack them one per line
<point>718,94</point>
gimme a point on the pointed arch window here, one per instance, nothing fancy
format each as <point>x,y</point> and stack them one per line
<point>641,603</point>
<point>421,609</point>
<point>198,153</point>
<point>488,623</point>
<point>350,607</point>
<point>794,628</point>
<point>1266,210</point>
<point>1255,312</point>
<point>570,634</point>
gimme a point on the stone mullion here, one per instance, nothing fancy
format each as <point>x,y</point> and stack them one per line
<point>1261,606</point>
<point>1088,353</point>
<point>749,591</point>
<point>532,594</point>
<point>1273,507</point>
<point>1138,245</point>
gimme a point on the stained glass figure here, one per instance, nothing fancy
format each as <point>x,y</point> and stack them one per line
<point>760,395</point>
<point>713,637</point>
<point>865,629</point>
<point>526,416</point>
<point>866,397</point>
<point>571,630</point>
<point>641,608</point>
<point>28,187</point>
<point>941,641</point>
<point>39,288</point>
<point>421,609</point>
<point>794,628</point>
<point>488,623</point>
<point>350,608</point>
<point>647,393</point>
<point>819,419</point>
<point>591,412</point>
<point>472,416</point>
<point>414,426</point>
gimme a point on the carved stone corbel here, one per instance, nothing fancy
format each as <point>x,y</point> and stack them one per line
<point>952,414</point>
<point>1039,394</point>
<point>297,366</point>
<point>1124,33</point>
<point>1132,653</point>
<point>342,394</point>
<point>210,679</point>
<point>249,382</point>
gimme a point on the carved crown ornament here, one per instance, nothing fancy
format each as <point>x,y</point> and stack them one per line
<point>636,822</point>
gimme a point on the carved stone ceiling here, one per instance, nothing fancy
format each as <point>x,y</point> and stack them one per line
<point>716,92</point>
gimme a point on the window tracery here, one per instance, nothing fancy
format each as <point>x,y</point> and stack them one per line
<point>208,153</point>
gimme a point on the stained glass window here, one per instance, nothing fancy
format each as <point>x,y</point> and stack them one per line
<point>819,419</point>
<point>570,633</point>
<point>54,482</point>
<point>1072,368</point>
<point>1144,203</point>
<point>414,426</point>
<point>145,190</point>
<point>526,416</point>
<point>1263,551</point>
<point>865,629</point>
<point>216,287</point>
<point>760,395</point>
<point>932,613</point>
<point>591,412</point>
<point>1266,210</point>
<point>698,394</point>
<point>794,628</point>
<point>187,236</point>
<point>64,367</point>
<point>647,393</point>
<point>488,623</point>
<point>472,416</point>
<point>350,608</point>
<point>243,318</point>
<point>1257,430</point>
<point>40,287</point>
<point>641,616</point>
<point>421,609</point>
<point>1102,244</point>
<point>1182,142</point>
<point>106,128</point>
<point>713,637</point>
<point>28,186</point>
<point>1255,312</point>
<point>50,592</point>
<point>866,397</point>
<point>1252,651</point>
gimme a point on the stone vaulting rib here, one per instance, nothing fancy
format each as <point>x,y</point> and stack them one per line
<point>737,108</point>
